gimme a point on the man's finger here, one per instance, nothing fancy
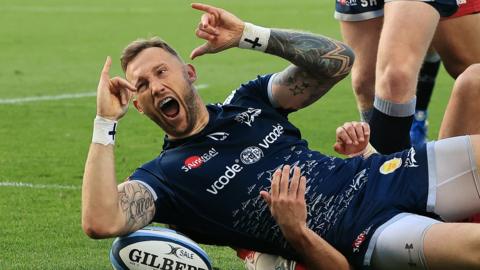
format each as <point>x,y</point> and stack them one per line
<point>359,130</point>
<point>339,148</point>
<point>284,181</point>
<point>351,132</point>
<point>292,191</point>
<point>302,185</point>
<point>208,24</point>
<point>344,137</point>
<point>207,8</point>
<point>266,197</point>
<point>199,51</point>
<point>106,67</point>
<point>366,129</point>
<point>204,35</point>
<point>122,83</point>
<point>275,183</point>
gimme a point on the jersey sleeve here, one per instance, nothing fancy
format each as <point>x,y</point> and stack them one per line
<point>258,90</point>
<point>162,193</point>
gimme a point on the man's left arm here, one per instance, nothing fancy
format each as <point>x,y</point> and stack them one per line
<point>318,62</point>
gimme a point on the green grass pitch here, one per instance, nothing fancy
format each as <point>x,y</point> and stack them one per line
<point>54,47</point>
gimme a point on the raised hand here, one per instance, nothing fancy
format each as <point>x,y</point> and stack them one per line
<point>352,138</point>
<point>221,29</point>
<point>113,95</point>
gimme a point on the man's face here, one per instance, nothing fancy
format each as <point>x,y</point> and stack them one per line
<point>164,90</point>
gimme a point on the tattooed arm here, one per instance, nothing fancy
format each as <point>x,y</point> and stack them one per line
<point>108,210</point>
<point>318,63</point>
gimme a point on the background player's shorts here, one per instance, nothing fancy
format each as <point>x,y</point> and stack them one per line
<point>466,7</point>
<point>361,10</point>
<point>454,182</point>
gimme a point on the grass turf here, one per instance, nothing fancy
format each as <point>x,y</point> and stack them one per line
<point>54,47</point>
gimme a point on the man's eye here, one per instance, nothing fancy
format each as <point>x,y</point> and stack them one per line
<point>160,72</point>
<point>141,87</point>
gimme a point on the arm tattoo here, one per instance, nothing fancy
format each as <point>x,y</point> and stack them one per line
<point>318,62</point>
<point>137,205</point>
<point>319,56</point>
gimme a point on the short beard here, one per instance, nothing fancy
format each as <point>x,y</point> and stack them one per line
<point>191,115</point>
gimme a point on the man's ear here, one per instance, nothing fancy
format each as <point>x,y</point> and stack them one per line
<point>137,106</point>
<point>191,73</point>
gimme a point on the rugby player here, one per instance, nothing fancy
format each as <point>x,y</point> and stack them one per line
<point>217,159</point>
<point>458,41</point>
<point>390,39</point>
<point>466,88</point>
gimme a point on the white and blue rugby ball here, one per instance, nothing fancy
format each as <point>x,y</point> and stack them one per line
<point>157,248</point>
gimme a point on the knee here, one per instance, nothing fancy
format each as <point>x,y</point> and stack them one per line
<point>364,84</point>
<point>395,83</point>
<point>467,85</point>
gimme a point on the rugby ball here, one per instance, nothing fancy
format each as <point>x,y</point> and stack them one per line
<point>157,248</point>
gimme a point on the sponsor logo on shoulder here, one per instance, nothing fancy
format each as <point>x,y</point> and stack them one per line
<point>218,136</point>
<point>410,161</point>
<point>251,155</point>
<point>194,162</point>
<point>391,165</point>
<point>248,117</point>
<point>360,239</point>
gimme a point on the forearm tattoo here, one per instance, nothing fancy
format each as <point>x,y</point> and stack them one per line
<point>318,62</point>
<point>137,204</point>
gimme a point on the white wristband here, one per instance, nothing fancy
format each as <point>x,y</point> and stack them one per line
<point>104,131</point>
<point>254,37</point>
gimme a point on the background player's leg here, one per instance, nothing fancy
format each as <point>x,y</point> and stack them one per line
<point>362,37</point>
<point>425,84</point>
<point>458,42</point>
<point>452,246</point>
<point>407,31</point>
<point>462,113</point>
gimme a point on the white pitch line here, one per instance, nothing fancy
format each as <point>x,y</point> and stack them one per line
<point>75,9</point>
<point>60,97</point>
<point>37,186</point>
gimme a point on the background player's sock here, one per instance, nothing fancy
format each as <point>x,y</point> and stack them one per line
<point>426,82</point>
<point>390,125</point>
<point>366,115</point>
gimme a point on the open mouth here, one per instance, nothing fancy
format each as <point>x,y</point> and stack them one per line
<point>170,107</point>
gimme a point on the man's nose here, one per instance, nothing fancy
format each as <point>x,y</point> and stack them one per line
<point>157,88</point>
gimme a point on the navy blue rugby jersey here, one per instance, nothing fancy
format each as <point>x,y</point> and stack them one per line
<point>208,184</point>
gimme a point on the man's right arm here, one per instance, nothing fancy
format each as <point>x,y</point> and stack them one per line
<point>108,210</point>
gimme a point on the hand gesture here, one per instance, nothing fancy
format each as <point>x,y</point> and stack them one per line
<point>221,29</point>
<point>352,138</point>
<point>113,95</point>
<point>287,202</point>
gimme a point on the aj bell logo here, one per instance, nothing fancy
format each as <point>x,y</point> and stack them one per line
<point>248,117</point>
<point>152,260</point>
